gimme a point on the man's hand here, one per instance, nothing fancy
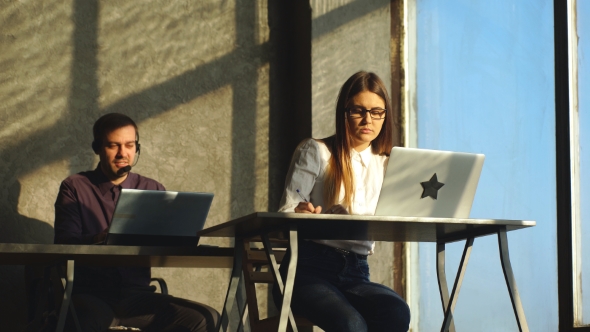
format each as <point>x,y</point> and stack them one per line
<point>98,238</point>
<point>307,207</point>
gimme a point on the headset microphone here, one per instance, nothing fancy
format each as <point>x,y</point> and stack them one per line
<point>126,169</point>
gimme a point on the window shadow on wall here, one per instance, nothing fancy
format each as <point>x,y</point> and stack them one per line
<point>288,54</point>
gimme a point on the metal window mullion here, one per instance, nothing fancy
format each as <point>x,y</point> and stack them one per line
<point>410,139</point>
<point>575,163</point>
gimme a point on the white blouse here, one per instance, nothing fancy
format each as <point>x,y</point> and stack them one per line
<point>307,173</point>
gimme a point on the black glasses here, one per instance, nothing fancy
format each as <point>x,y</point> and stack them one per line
<point>376,113</point>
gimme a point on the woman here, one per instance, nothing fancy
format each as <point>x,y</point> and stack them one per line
<point>344,173</point>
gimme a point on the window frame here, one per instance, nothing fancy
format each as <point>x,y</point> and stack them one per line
<point>567,166</point>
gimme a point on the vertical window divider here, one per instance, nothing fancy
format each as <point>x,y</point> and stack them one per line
<point>575,163</point>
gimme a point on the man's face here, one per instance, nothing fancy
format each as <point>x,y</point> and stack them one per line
<point>116,152</point>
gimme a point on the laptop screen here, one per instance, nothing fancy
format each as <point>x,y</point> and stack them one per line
<point>429,183</point>
<point>152,217</point>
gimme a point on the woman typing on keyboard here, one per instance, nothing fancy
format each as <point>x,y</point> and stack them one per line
<point>343,174</point>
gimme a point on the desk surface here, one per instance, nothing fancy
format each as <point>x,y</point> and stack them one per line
<point>355,227</point>
<point>101,255</point>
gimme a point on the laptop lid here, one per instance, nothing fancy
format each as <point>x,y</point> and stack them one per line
<point>158,218</point>
<point>429,183</point>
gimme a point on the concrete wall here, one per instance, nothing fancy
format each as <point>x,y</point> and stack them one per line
<point>193,74</point>
<point>215,87</point>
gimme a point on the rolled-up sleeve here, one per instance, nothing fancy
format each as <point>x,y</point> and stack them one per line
<point>303,173</point>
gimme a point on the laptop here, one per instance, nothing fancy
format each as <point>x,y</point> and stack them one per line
<point>429,183</point>
<point>158,218</point>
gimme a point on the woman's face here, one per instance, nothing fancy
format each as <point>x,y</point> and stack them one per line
<point>365,129</point>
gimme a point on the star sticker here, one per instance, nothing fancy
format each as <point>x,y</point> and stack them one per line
<point>431,187</point>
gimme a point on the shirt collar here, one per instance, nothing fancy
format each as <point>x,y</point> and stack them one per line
<point>364,156</point>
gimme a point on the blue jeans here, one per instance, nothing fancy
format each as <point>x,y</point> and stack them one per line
<point>333,291</point>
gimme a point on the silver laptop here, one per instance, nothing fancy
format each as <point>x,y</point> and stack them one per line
<point>429,183</point>
<point>158,218</point>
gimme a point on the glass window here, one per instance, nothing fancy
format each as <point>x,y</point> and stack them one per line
<point>485,84</point>
<point>582,238</point>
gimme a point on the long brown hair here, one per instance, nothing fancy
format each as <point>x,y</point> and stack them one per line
<point>339,170</point>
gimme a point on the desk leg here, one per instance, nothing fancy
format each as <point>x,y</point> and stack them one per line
<point>65,305</point>
<point>510,281</point>
<point>457,286</point>
<point>276,274</point>
<point>288,291</point>
<point>241,303</point>
<point>233,288</point>
<point>442,281</point>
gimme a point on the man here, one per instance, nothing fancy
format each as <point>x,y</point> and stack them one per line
<point>105,297</point>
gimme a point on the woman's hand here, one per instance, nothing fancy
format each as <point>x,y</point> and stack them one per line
<point>307,207</point>
<point>337,209</point>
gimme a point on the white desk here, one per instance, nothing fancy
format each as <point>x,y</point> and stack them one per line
<point>292,226</point>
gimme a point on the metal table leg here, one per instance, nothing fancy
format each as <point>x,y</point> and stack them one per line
<point>510,281</point>
<point>288,291</point>
<point>457,286</point>
<point>442,281</point>
<point>276,274</point>
<point>65,305</point>
<point>241,304</point>
<point>233,288</point>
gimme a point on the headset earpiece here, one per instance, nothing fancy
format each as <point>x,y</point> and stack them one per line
<point>138,147</point>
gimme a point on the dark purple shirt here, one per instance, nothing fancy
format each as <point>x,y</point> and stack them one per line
<point>84,208</point>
